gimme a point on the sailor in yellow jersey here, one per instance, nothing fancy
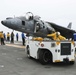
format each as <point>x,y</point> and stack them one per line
<point>56,36</point>
<point>2,38</point>
<point>8,36</point>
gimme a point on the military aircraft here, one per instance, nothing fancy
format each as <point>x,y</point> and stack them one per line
<point>34,25</point>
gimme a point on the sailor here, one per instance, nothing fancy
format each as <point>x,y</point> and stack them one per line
<point>8,36</point>
<point>12,37</point>
<point>60,36</point>
<point>56,36</point>
<point>17,36</point>
<point>2,38</point>
<point>23,39</point>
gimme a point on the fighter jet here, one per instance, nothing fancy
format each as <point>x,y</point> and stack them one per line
<point>33,24</point>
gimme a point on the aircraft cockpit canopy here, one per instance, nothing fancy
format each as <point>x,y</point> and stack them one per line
<point>29,16</point>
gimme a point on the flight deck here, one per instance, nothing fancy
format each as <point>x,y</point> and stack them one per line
<point>14,61</point>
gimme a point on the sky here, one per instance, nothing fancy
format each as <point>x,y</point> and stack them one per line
<point>60,12</point>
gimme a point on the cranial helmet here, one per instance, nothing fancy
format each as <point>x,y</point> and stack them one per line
<point>58,33</point>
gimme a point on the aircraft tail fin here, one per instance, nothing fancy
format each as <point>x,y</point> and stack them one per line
<point>70,25</point>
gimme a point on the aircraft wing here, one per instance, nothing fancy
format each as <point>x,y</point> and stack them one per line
<point>68,33</point>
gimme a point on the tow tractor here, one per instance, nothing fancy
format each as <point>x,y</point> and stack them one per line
<point>47,50</point>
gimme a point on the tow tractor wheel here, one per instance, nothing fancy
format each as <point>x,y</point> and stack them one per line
<point>44,57</point>
<point>28,52</point>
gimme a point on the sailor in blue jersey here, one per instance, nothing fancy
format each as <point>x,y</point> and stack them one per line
<point>23,39</point>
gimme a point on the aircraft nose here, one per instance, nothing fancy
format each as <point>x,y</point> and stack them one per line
<point>3,22</point>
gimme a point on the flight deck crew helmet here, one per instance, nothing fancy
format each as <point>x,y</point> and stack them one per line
<point>58,33</point>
